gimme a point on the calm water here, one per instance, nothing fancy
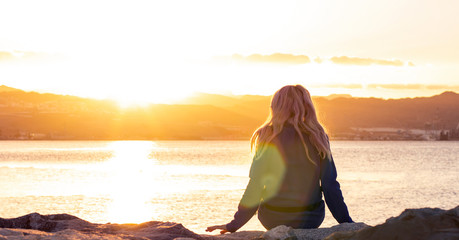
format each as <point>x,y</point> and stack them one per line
<point>199,183</point>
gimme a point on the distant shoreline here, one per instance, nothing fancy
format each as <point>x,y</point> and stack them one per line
<point>34,116</point>
<point>223,139</point>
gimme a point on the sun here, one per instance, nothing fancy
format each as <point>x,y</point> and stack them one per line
<point>143,97</point>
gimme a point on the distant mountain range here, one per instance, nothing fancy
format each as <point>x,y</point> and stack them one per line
<point>30,115</point>
<point>4,88</point>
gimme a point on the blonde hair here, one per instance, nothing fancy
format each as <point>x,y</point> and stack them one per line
<point>292,104</point>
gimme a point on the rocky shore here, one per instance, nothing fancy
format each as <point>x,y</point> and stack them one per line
<point>425,223</point>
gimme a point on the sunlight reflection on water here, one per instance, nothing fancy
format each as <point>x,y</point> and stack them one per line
<point>199,183</point>
<point>130,170</point>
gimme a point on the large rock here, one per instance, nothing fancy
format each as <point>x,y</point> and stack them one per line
<point>66,226</point>
<point>47,223</point>
<point>287,233</point>
<point>240,235</point>
<point>415,224</point>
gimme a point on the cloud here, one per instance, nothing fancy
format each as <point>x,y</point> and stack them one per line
<point>284,58</point>
<point>273,58</point>
<point>398,86</point>
<point>348,86</point>
<point>414,87</point>
<point>391,86</point>
<point>14,56</point>
<point>318,60</point>
<point>367,61</point>
<point>448,87</point>
<point>6,56</point>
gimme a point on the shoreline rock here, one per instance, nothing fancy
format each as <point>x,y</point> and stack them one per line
<point>415,224</point>
<point>65,226</point>
<point>283,232</point>
<point>425,223</point>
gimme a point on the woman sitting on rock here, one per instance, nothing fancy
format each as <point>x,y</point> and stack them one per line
<point>291,168</point>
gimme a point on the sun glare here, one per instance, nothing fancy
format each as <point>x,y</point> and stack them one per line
<point>144,97</point>
<point>131,171</point>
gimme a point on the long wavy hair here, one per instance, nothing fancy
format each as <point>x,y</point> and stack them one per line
<point>293,105</point>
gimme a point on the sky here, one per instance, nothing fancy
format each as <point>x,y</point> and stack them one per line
<point>161,51</point>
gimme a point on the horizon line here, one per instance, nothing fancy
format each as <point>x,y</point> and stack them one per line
<point>179,102</point>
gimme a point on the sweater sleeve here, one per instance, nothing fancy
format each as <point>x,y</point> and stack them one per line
<point>265,177</point>
<point>251,197</point>
<point>332,192</point>
<point>246,211</point>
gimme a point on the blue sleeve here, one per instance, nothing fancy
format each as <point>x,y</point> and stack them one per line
<point>266,175</point>
<point>332,192</point>
<point>251,198</point>
<point>245,212</point>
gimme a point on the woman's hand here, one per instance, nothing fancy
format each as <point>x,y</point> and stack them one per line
<point>221,227</point>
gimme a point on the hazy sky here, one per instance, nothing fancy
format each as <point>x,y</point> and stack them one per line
<point>159,50</point>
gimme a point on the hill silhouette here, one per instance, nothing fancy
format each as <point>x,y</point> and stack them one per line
<point>439,112</point>
<point>343,112</point>
<point>4,88</point>
<point>31,115</point>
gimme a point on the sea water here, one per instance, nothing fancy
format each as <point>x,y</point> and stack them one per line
<point>199,183</point>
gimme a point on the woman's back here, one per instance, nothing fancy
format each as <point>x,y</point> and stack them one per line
<point>301,181</point>
<point>298,202</point>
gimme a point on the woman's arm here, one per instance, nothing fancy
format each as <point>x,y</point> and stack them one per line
<point>248,205</point>
<point>332,192</point>
<point>265,175</point>
<point>249,201</point>
<point>246,208</point>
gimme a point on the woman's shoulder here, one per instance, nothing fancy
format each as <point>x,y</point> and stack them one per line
<point>289,131</point>
<point>288,136</point>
